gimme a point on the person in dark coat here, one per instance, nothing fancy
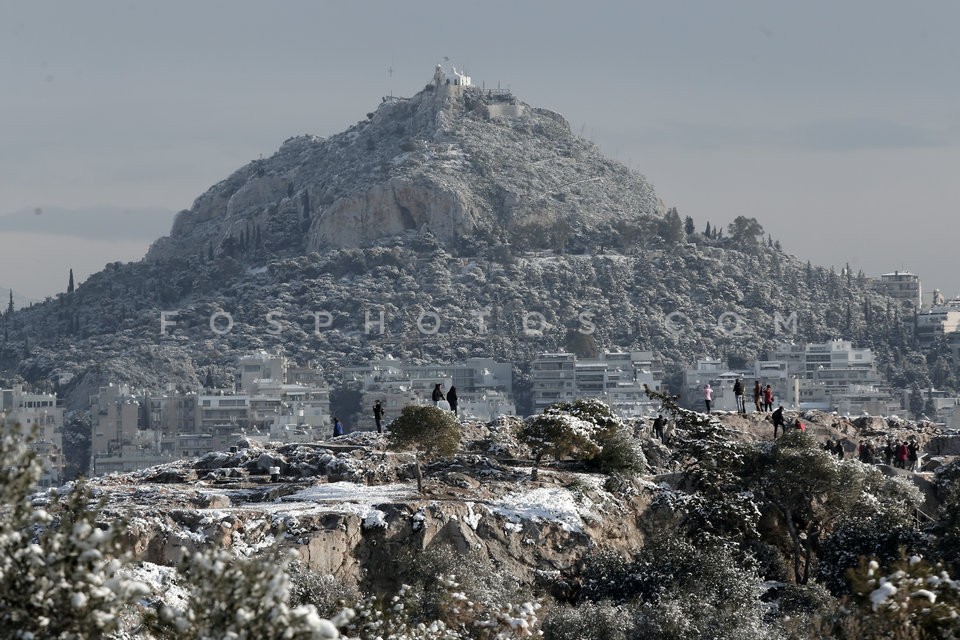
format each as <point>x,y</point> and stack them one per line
<point>437,395</point>
<point>378,415</point>
<point>452,399</point>
<point>839,449</point>
<point>778,422</point>
<point>658,427</point>
<point>913,454</point>
<point>337,427</point>
<point>888,452</point>
<point>757,395</point>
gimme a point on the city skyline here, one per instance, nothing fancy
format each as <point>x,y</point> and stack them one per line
<point>835,126</point>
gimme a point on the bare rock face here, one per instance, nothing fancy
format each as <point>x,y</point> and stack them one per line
<point>393,208</point>
<point>355,528</point>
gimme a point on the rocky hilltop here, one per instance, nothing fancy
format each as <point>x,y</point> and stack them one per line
<point>457,161</point>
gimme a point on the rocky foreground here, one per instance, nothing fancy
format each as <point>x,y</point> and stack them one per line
<point>349,505</point>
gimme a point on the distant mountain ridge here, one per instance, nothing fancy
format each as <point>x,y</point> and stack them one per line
<point>138,223</point>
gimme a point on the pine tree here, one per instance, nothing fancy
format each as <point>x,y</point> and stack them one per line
<point>671,228</point>
<point>708,232</point>
<point>10,306</point>
<point>70,283</point>
<point>688,226</point>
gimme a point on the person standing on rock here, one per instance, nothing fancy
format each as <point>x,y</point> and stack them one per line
<point>738,395</point>
<point>779,422</point>
<point>839,449</point>
<point>913,454</point>
<point>768,398</point>
<point>902,454</point>
<point>888,452</point>
<point>452,399</point>
<point>658,427</point>
<point>378,415</point>
<point>437,395</point>
<point>707,396</point>
<point>337,427</point>
<point>757,394</point>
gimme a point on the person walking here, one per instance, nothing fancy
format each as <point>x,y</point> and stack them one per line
<point>707,396</point>
<point>779,422</point>
<point>452,399</point>
<point>378,415</point>
<point>738,395</point>
<point>437,395</point>
<point>337,427</point>
<point>768,398</point>
<point>757,394</point>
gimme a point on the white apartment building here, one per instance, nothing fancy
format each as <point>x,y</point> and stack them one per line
<point>38,411</point>
<point>903,286</point>
<point>617,378</point>
<point>937,321</point>
<point>830,376</point>
<point>135,430</point>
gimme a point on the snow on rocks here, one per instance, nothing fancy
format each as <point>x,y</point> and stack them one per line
<point>557,505</point>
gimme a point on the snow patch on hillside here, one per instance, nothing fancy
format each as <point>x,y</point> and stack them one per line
<point>546,505</point>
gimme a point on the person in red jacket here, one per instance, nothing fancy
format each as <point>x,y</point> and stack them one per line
<point>768,398</point>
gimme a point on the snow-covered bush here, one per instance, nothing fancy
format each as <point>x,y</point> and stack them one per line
<point>910,599</point>
<point>674,589</point>
<point>587,430</point>
<point>429,430</point>
<point>588,621</point>
<point>477,579</point>
<point>621,454</point>
<point>560,435</point>
<point>399,618</point>
<point>58,568</point>
<point>327,593</point>
<point>947,526</point>
<point>233,597</point>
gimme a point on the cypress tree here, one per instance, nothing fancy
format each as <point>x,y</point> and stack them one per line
<point>70,283</point>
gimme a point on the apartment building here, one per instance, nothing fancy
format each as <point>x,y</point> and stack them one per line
<point>617,378</point>
<point>38,413</point>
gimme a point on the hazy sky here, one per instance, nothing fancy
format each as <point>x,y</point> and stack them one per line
<point>835,124</point>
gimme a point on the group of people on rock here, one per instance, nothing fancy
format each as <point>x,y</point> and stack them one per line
<point>762,396</point>
<point>450,396</point>
<point>901,454</point>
